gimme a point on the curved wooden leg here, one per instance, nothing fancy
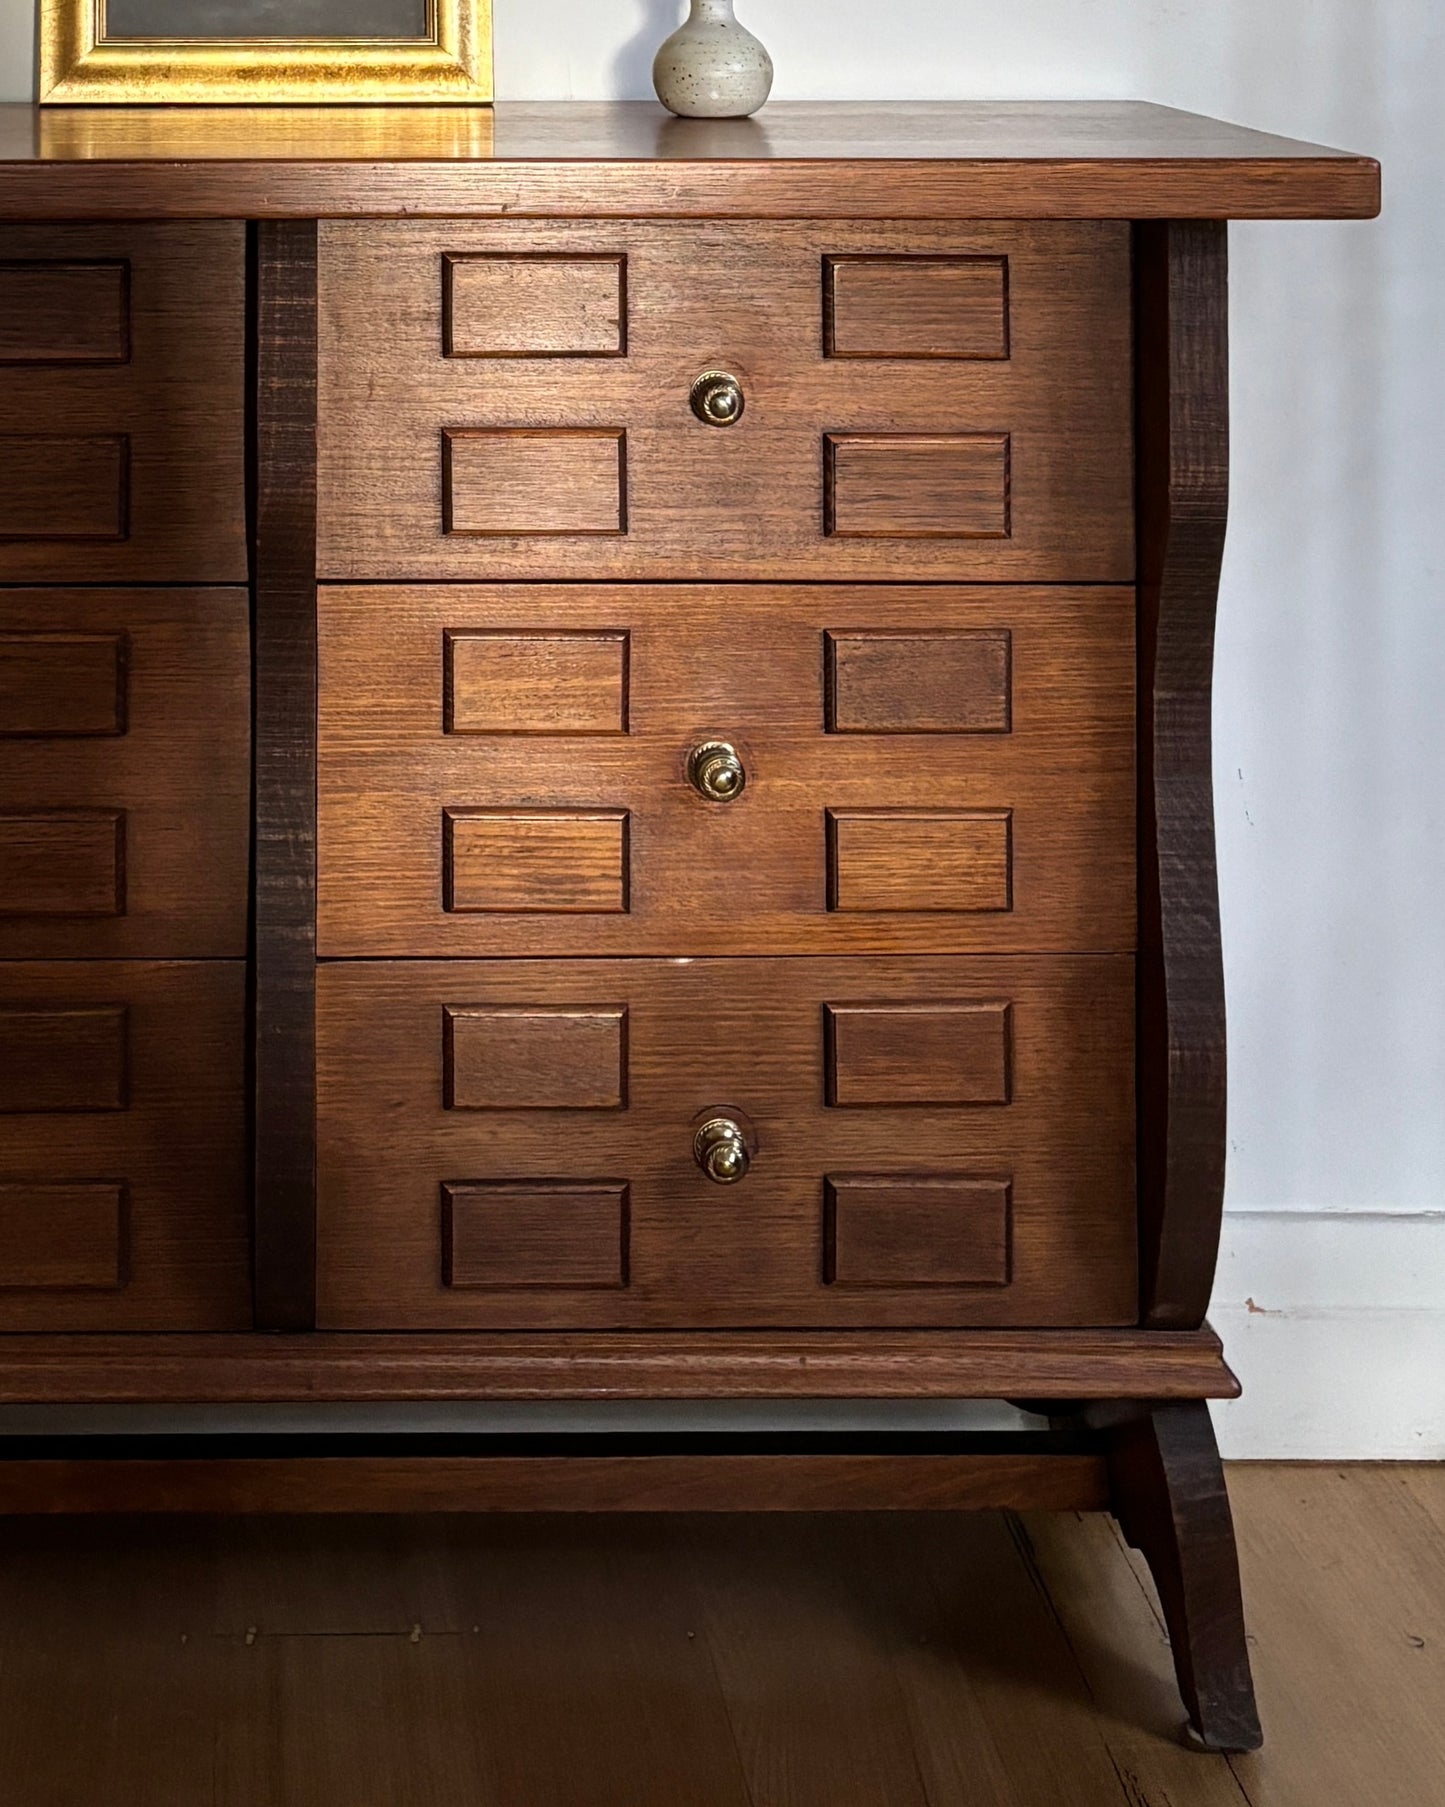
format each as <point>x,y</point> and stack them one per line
<point>1169,1497</point>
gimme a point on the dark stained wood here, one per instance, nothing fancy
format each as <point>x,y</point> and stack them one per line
<point>918,683</point>
<point>944,862</point>
<point>284,984</point>
<point>553,683</point>
<point>743,1036</point>
<point>534,1057</point>
<point>65,313</point>
<point>1183,510</point>
<point>916,307</point>
<point>1169,1496</point>
<point>64,487</point>
<point>539,1233</point>
<point>63,1058</point>
<point>131,468</point>
<point>892,1231</point>
<point>633,1483</point>
<point>854,1364</point>
<point>1031,456</point>
<point>746,664</point>
<point>498,306</point>
<point>62,863</point>
<point>122,1172</point>
<point>914,1053</point>
<point>902,160</point>
<point>135,709</point>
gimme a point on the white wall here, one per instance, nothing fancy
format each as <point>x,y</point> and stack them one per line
<point>1331,700</point>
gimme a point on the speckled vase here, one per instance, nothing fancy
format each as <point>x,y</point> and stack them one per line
<point>712,67</point>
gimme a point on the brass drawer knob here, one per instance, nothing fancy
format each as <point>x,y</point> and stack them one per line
<point>717,399</point>
<point>715,771</point>
<point>721,1150</point>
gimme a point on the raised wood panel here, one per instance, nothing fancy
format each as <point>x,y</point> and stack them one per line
<point>558,1237</point>
<point>560,683</point>
<point>914,486</point>
<point>746,1036</point>
<point>62,862</point>
<point>748,665</point>
<point>501,306</point>
<point>122,457</point>
<point>916,1230</point>
<point>956,861</point>
<point>555,862</point>
<point>748,502</point>
<point>534,482</point>
<point>65,313</point>
<point>66,1238</point>
<point>62,685</point>
<point>150,1110</point>
<point>64,1058</point>
<point>64,486</point>
<point>896,1054</point>
<point>918,683</point>
<point>916,307</point>
<point>546,1057</point>
<point>126,793</point>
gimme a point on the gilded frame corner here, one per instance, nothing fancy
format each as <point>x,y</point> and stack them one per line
<point>79,68</point>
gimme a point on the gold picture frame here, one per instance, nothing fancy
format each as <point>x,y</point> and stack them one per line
<point>80,65</point>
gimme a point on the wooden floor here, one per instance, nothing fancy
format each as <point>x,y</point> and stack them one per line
<point>713,1662</point>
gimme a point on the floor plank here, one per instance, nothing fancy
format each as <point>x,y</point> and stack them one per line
<point>852,1661</point>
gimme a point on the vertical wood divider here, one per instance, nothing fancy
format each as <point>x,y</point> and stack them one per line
<point>284,934</point>
<point>1182,276</point>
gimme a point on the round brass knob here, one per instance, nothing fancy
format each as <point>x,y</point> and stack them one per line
<point>717,399</point>
<point>721,1150</point>
<point>715,771</point>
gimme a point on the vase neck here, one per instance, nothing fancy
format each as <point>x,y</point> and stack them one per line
<point>714,12</point>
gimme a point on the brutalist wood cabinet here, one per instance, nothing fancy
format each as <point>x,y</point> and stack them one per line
<point>605,794</point>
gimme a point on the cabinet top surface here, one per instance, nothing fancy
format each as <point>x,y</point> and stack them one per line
<point>1000,159</point>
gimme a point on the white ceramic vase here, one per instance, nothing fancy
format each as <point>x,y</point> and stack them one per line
<point>712,67</point>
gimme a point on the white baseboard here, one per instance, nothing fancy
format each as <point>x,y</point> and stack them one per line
<point>1335,1323</point>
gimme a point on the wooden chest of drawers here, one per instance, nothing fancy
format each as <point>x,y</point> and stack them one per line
<point>604,788</point>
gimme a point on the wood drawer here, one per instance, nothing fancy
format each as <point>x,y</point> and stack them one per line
<point>122,419</point>
<point>122,1156</point>
<point>509,1143</point>
<point>505,770</point>
<point>125,777</point>
<point>511,399</point>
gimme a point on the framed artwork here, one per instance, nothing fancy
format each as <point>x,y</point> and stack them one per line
<point>150,52</point>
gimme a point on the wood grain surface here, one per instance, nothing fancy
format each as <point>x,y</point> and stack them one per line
<point>129,468</point>
<point>1018,468</point>
<point>909,160</point>
<point>130,711</point>
<point>132,1161</point>
<point>747,665</point>
<point>716,1035</point>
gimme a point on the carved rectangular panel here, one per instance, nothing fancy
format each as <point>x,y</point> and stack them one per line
<point>534,481</point>
<point>917,486</point>
<point>542,861</point>
<point>499,305</point>
<point>64,313</point>
<point>940,1053</point>
<point>954,860</point>
<point>563,1236</point>
<point>63,862</point>
<point>62,686</point>
<point>916,307</point>
<point>504,683</point>
<point>64,486</point>
<point>66,1236</point>
<point>915,1230</point>
<point>542,1057</point>
<point>923,683</point>
<point>66,1058</point>
<point>123,1078</point>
